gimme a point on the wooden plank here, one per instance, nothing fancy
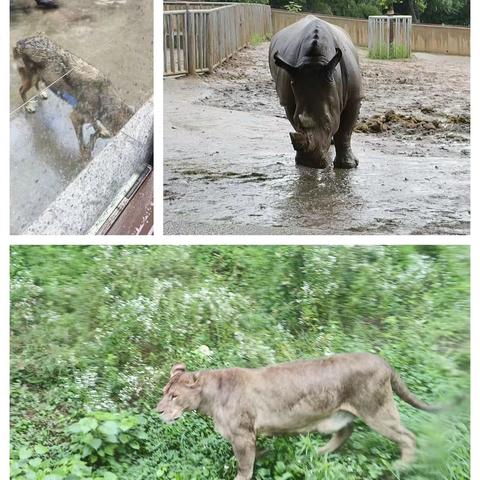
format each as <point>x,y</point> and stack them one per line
<point>165,63</point>
<point>179,41</point>
<point>191,43</point>
<point>185,49</point>
<point>171,44</point>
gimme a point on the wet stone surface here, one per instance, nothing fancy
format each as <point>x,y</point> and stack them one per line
<point>115,37</point>
<point>230,168</point>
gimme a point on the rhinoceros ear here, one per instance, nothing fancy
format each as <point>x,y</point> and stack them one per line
<point>330,67</point>
<point>282,63</point>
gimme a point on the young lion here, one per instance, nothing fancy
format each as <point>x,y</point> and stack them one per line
<point>322,395</point>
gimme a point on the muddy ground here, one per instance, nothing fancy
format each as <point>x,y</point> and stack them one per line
<point>116,36</point>
<point>229,167</point>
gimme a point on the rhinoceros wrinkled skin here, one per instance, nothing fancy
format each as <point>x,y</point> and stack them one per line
<point>316,71</point>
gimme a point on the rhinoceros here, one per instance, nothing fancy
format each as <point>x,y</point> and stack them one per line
<point>317,75</point>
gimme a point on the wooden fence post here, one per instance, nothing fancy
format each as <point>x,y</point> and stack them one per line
<point>210,42</point>
<point>191,47</point>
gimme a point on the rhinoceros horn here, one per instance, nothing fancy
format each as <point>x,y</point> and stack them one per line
<point>299,141</point>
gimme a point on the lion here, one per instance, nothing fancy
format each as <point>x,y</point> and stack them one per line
<point>323,395</point>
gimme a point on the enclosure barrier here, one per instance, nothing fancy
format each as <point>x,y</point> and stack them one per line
<point>389,36</point>
<point>445,39</point>
<point>200,36</point>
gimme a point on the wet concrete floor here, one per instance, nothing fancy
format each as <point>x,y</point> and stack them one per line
<point>229,169</point>
<point>114,36</point>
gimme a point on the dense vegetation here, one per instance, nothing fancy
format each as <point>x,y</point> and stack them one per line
<point>95,331</point>
<point>449,12</point>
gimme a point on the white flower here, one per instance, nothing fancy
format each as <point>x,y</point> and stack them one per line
<point>204,350</point>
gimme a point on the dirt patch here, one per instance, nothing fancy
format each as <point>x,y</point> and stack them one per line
<point>211,176</point>
<point>404,99</point>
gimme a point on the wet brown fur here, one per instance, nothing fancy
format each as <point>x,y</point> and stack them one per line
<point>39,59</point>
<point>322,395</point>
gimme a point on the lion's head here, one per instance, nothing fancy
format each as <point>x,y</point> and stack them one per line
<point>181,394</point>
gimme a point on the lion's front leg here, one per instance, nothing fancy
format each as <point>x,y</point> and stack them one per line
<point>244,450</point>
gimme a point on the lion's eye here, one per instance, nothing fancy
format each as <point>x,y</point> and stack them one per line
<point>174,397</point>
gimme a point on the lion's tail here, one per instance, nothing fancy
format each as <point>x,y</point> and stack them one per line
<point>399,387</point>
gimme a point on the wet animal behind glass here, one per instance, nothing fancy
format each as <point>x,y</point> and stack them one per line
<point>317,76</point>
<point>40,61</point>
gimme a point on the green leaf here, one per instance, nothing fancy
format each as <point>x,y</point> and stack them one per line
<point>87,424</point>
<point>35,462</point>
<point>25,453</point>
<point>109,476</point>
<point>111,439</point>
<point>110,449</point>
<point>40,449</point>
<point>95,443</point>
<point>109,428</point>
<point>142,435</point>
<point>86,451</point>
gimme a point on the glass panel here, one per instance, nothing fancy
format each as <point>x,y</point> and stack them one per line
<point>95,58</point>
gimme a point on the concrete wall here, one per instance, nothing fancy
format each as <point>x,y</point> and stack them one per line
<point>441,39</point>
<point>426,38</point>
<point>80,205</point>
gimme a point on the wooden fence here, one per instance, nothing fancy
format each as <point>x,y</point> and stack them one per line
<point>197,37</point>
<point>425,38</point>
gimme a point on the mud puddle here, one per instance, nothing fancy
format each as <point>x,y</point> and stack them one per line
<point>111,35</point>
<point>412,141</point>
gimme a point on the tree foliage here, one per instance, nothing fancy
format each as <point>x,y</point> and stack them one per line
<point>455,12</point>
<point>95,330</point>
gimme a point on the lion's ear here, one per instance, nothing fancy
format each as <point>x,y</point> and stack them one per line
<point>195,376</point>
<point>178,368</point>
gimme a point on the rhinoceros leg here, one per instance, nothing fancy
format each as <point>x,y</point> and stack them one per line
<point>344,157</point>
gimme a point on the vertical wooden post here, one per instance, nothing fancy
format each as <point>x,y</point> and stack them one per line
<point>191,47</point>
<point>210,39</point>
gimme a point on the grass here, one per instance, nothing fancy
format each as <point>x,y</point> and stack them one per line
<point>257,39</point>
<point>388,52</point>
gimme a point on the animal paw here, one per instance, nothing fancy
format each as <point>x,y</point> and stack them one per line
<point>31,106</point>
<point>102,130</point>
<point>44,94</point>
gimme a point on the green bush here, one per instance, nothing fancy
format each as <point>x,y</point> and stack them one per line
<point>104,438</point>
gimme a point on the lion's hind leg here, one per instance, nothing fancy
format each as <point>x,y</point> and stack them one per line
<point>386,421</point>
<point>340,424</point>
<point>337,440</point>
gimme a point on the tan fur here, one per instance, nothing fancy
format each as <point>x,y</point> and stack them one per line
<point>322,395</point>
<point>40,60</point>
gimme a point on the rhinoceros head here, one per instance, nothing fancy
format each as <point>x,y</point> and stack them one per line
<point>317,104</point>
